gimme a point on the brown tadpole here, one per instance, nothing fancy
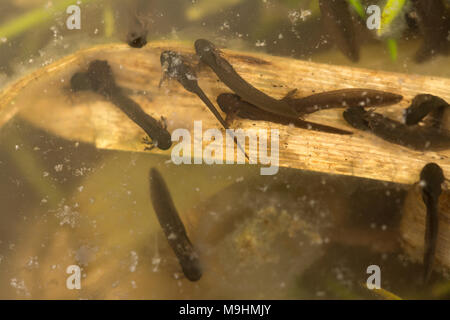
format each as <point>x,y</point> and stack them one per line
<point>426,105</point>
<point>343,98</point>
<point>414,136</point>
<point>173,227</point>
<point>233,105</point>
<point>139,22</point>
<point>431,179</point>
<point>338,23</point>
<point>433,18</point>
<point>210,55</point>
<point>175,67</point>
<point>99,78</point>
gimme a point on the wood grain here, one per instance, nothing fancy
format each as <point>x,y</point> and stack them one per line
<point>43,98</point>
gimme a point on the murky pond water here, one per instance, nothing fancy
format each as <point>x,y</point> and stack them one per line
<point>74,175</point>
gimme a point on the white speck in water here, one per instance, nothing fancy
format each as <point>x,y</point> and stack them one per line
<point>133,284</point>
<point>59,167</point>
<point>304,14</point>
<point>96,31</point>
<point>32,263</point>
<point>280,36</point>
<point>80,188</point>
<point>17,147</point>
<point>225,25</point>
<point>45,174</point>
<point>67,215</point>
<point>320,293</point>
<point>3,39</point>
<point>172,236</point>
<point>20,286</point>
<point>260,43</point>
<point>240,179</point>
<point>156,260</point>
<point>134,261</point>
<point>191,76</point>
<point>422,183</point>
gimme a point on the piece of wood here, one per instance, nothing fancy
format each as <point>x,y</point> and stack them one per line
<point>44,99</point>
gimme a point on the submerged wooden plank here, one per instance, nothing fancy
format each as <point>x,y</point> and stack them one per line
<point>43,99</point>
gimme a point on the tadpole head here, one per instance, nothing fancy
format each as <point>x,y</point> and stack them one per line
<point>137,39</point>
<point>204,48</point>
<point>175,67</point>
<point>432,175</point>
<point>167,57</point>
<point>80,81</point>
<point>101,77</point>
<point>356,117</point>
<point>417,110</point>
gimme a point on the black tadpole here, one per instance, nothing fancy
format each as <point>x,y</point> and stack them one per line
<point>137,39</point>
<point>175,67</point>
<point>431,179</point>
<point>233,105</point>
<point>424,105</point>
<point>173,227</point>
<point>415,137</point>
<point>100,79</point>
<point>338,22</point>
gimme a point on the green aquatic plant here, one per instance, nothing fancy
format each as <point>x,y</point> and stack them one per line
<point>392,49</point>
<point>204,8</point>
<point>391,11</point>
<point>108,20</point>
<point>356,4</point>
<point>33,18</point>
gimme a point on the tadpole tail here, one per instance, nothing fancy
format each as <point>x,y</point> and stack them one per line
<point>159,135</point>
<point>343,98</point>
<point>173,227</point>
<point>337,20</point>
<point>319,127</point>
<point>431,232</point>
<point>213,109</point>
<point>425,105</point>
